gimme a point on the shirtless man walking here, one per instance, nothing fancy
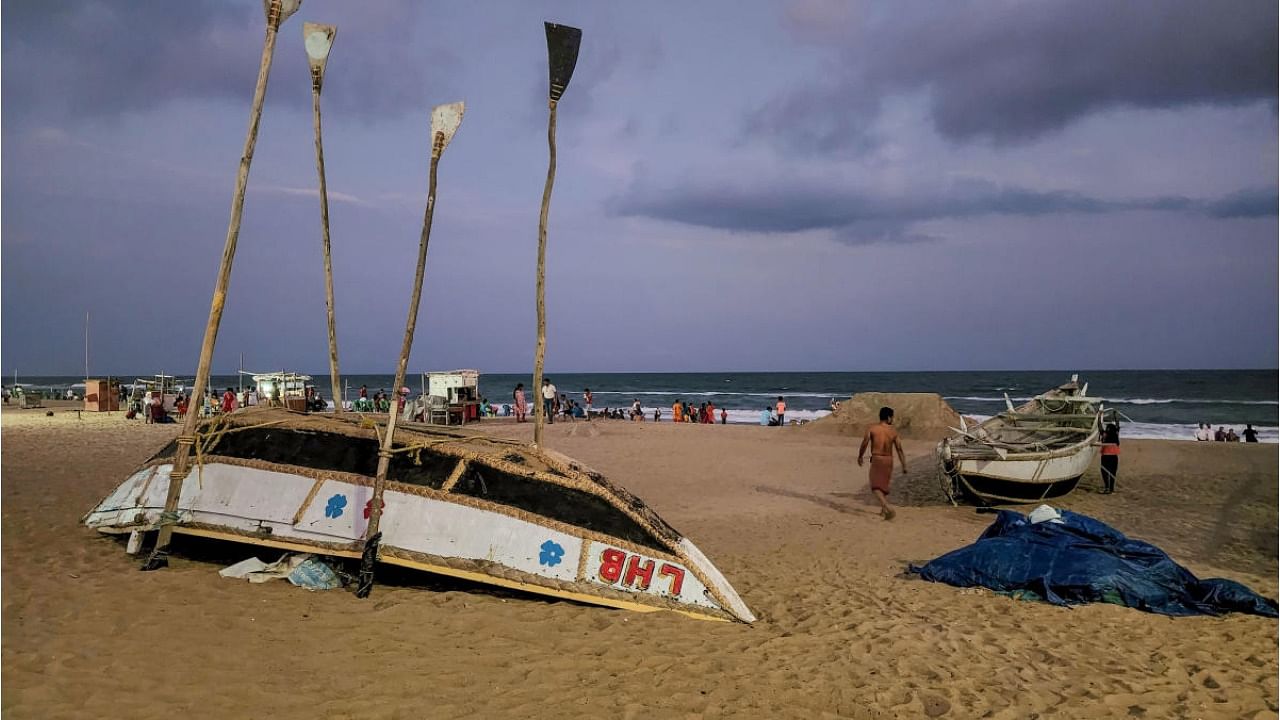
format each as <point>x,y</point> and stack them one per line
<point>883,440</point>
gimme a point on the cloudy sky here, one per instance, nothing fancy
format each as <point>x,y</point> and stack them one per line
<point>807,185</point>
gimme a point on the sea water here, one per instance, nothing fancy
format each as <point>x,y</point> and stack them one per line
<point>1164,404</point>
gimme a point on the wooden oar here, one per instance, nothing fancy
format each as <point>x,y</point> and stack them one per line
<point>562,58</point>
<point>318,39</point>
<point>277,11</point>
<point>444,123</point>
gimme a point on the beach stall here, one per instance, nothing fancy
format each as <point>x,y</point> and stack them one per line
<point>101,395</point>
<point>460,390</point>
<point>282,389</point>
<point>166,385</point>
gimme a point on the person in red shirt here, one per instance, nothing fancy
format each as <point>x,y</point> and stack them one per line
<point>228,401</point>
<point>724,416</point>
<point>782,411</point>
<point>1110,457</point>
<point>711,414</point>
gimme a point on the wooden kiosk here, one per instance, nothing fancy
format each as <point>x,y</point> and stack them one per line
<point>460,390</point>
<point>101,395</point>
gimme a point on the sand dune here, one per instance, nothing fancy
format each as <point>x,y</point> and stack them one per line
<point>786,516</point>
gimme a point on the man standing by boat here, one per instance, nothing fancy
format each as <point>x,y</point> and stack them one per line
<point>884,441</point>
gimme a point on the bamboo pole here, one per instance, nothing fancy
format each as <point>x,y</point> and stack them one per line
<point>444,123</point>
<point>562,57</point>
<point>318,40</point>
<point>277,11</point>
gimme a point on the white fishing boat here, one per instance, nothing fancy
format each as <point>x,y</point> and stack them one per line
<point>456,503</point>
<point>1027,454</point>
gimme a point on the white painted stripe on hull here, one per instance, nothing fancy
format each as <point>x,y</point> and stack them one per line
<point>264,502</point>
<point>1028,471</point>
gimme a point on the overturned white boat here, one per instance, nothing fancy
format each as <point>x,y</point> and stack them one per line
<point>1027,454</point>
<point>456,503</point>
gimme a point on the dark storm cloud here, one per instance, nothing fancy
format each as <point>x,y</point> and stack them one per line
<point>859,217</point>
<point>1246,204</point>
<point>88,59</point>
<point>1008,72</point>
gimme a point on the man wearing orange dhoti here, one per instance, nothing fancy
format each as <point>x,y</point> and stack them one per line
<point>883,440</point>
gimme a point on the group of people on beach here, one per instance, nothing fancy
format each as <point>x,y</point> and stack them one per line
<point>380,402</point>
<point>704,414</point>
<point>557,404</point>
<point>1205,433</point>
<point>774,415</point>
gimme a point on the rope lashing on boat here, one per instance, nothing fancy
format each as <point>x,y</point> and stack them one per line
<point>169,518</point>
<point>418,447</point>
<point>948,481</point>
<point>204,442</point>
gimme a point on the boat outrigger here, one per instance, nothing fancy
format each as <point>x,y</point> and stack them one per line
<point>455,502</point>
<point>1027,454</point>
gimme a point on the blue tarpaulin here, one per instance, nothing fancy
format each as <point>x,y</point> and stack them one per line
<point>1081,560</point>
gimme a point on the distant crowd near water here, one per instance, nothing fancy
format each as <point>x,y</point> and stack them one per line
<point>1160,404</point>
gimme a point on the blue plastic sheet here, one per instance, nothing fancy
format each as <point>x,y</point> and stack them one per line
<point>1082,560</point>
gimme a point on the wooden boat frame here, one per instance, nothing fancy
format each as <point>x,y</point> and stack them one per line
<point>424,456</point>
<point>985,463</point>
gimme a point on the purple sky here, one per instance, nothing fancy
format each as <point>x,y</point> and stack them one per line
<point>812,185</point>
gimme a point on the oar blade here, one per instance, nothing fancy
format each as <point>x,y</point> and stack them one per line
<point>318,40</point>
<point>562,55</point>
<point>445,120</point>
<point>287,8</point>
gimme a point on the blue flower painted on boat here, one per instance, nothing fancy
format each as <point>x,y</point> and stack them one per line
<point>551,554</point>
<point>334,508</point>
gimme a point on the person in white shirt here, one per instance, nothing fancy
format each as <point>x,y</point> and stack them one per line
<point>548,399</point>
<point>1202,434</point>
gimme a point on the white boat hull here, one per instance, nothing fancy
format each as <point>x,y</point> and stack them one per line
<point>1047,470</point>
<point>424,531</point>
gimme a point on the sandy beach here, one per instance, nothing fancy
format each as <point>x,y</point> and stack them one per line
<point>785,514</point>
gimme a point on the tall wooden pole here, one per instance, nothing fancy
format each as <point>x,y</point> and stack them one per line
<point>540,350</point>
<point>562,57</point>
<point>277,11</point>
<point>444,123</point>
<point>318,40</point>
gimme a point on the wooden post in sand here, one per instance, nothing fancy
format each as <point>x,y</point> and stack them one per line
<point>444,123</point>
<point>277,11</point>
<point>318,39</point>
<point>562,57</point>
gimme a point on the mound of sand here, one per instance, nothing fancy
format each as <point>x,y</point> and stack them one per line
<point>916,415</point>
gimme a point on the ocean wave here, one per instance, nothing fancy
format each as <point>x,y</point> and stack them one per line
<point>1171,431</point>
<point>1130,401</point>
<point>700,393</point>
<point>977,398</point>
<point>740,417</point>
<point>1192,401</point>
